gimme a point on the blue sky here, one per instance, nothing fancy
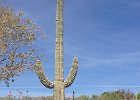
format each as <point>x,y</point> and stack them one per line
<point>103,34</point>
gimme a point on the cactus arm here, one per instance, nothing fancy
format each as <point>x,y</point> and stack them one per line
<point>40,72</point>
<point>72,73</point>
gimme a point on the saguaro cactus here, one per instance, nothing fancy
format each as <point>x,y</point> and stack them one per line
<point>59,84</point>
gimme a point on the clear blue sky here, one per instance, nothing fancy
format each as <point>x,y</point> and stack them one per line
<point>104,34</point>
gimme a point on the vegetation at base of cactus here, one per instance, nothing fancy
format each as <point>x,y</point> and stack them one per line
<point>115,95</point>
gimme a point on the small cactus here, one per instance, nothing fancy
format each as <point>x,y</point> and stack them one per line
<point>59,84</point>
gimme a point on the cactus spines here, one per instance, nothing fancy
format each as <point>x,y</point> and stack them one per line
<point>59,84</point>
<point>40,72</point>
<point>72,73</point>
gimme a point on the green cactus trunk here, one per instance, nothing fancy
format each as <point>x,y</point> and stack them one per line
<point>59,90</point>
<point>59,84</point>
<point>59,81</point>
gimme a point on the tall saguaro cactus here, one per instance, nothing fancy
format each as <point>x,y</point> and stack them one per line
<point>59,84</point>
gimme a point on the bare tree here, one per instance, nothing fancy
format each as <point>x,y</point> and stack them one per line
<point>17,35</point>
